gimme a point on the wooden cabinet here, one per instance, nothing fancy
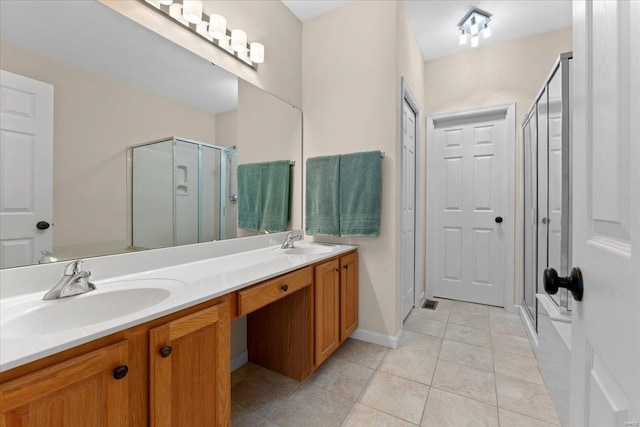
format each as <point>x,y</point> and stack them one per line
<point>88,390</point>
<point>348,295</point>
<point>189,370</point>
<point>327,309</point>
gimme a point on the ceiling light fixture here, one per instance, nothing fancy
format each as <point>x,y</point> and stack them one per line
<point>213,28</point>
<point>471,24</point>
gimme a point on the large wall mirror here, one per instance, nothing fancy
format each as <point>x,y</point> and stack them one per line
<point>138,123</point>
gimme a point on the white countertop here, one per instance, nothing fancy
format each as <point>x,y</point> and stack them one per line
<point>203,280</point>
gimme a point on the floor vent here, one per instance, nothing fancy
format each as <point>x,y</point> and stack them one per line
<point>430,304</point>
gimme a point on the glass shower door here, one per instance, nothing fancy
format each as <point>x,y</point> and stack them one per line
<point>530,241</point>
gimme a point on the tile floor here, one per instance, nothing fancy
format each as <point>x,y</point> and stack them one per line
<point>460,365</point>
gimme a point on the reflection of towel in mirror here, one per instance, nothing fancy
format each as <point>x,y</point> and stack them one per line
<point>360,188</point>
<point>249,189</point>
<point>274,206</point>
<point>322,211</point>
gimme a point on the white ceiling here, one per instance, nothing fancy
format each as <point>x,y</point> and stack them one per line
<point>89,35</point>
<point>434,22</point>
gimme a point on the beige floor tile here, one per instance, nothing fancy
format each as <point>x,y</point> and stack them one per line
<point>426,345</point>
<point>444,304</point>
<point>412,366</point>
<point>508,327</point>
<point>396,396</point>
<point>362,415</point>
<point>512,344</point>
<point>516,366</point>
<point>467,354</point>
<point>460,379</point>
<point>312,406</point>
<point>263,391</point>
<point>361,352</point>
<point>501,313</point>
<point>525,398</point>
<point>470,307</point>
<point>468,335</point>
<point>344,378</point>
<point>425,326</point>
<point>511,419</point>
<point>242,417</point>
<point>446,409</point>
<point>243,372</point>
<point>472,320</point>
<point>440,314</point>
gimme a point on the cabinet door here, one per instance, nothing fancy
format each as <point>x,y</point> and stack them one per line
<point>189,370</point>
<point>348,295</point>
<point>80,392</point>
<point>327,306</point>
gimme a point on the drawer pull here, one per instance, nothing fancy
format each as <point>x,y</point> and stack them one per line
<point>120,372</point>
<point>165,351</point>
<point>284,287</point>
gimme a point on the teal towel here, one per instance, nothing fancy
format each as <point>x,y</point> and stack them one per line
<point>360,188</point>
<point>249,189</point>
<point>322,213</point>
<point>274,212</point>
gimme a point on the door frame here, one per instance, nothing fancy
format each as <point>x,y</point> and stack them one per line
<point>509,110</point>
<point>418,294</point>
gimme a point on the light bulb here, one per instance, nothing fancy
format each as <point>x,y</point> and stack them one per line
<point>257,53</point>
<point>474,26</point>
<point>175,11</point>
<point>217,26</point>
<point>201,28</point>
<point>192,10</point>
<point>463,37</point>
<point>239,40</point>
<point>474,41</point>
<point>224,42</point>
<point>486,31</point>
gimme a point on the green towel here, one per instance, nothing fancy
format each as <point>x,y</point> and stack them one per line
<point>249,189</point>
<point>322,214</point>
<point>360,188</point>
<point>274,211</point>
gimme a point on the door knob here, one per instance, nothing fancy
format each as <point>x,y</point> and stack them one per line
<point>573,282</point>
<point>498,219</point>
<point>42,225</point>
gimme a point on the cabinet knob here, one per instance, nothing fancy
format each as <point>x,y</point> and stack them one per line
<point>346,266</point>
<point>165,351</point>
<point>284,287</point>
<point>337,270</point>
<point>120,372</point>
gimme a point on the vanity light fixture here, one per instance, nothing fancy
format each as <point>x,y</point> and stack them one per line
<point>474,22</point>
<point>213,28</point>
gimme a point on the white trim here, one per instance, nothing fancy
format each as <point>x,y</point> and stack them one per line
<point>509,110</point>
<point>239,360</point>
<point>529,328</point>
<point>376,338</point>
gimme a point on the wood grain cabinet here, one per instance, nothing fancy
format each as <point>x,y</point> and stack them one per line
<point>348,295</point>
<point>87,390</point>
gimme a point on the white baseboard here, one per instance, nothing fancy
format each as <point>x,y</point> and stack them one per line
<point>376,338</point>
<point>239,360</point>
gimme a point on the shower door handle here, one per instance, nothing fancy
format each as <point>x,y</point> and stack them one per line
<point>573,282</point>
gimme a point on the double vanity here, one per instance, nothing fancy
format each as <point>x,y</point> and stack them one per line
<point>153,347</point>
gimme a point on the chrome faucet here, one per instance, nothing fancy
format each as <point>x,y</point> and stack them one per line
<point>290,239</point>
<point>73,282</point>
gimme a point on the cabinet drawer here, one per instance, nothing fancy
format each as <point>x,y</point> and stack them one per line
<point>272,290</point>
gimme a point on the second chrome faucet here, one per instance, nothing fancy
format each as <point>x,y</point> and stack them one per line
<point>73,282</point>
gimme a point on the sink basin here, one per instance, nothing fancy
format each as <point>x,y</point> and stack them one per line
<point>306,248</point>
<point>110,301</point>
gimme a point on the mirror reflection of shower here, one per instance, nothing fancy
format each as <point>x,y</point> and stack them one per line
<point>181,193</point>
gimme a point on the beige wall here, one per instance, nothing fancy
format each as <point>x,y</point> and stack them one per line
<point>227,128</point>
<point>508,72</point>
<point>268,22</point>
<point>95,120</point>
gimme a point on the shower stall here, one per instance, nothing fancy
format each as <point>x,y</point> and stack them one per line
<point>183,192</point>
<point>545,190</point>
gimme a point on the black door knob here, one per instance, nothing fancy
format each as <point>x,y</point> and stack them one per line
<point>573,282</point>
<point>498,219</point>
<point>120,372</point>
<point>165,351</point>
<point>42,225</point>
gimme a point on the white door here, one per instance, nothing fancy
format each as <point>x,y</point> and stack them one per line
<point>408,207</point>
<point>605,376</point>
<point>26,169</point>
<point>470,205</point>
